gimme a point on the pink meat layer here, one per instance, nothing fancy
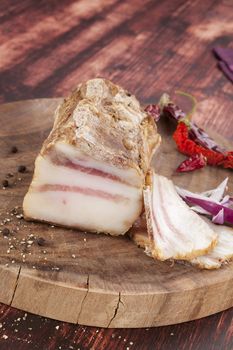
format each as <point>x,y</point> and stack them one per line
<point>86,191</point>
<point>85,169</point>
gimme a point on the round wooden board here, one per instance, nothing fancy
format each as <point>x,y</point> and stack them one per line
<point>94,279</point>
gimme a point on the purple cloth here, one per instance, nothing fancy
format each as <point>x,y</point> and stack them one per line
<point>225,56</point>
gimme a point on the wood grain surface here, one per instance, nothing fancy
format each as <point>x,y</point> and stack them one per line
<point>46,47</point>
<point>91,279</point>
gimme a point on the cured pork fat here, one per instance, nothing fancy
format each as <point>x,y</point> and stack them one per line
<point>222,252</point>
<point>175,231</point>
<point>91,169</point>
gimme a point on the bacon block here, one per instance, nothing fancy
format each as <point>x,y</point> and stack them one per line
<point>90,172</point>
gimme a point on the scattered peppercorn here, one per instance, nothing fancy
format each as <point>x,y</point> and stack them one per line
<point>9,175</point>
<point>5,183</point>
<point>22,169</point>
<point>14,149</point>
<point>6,231</point>
<point>41,241</point>
<point>14,211</point>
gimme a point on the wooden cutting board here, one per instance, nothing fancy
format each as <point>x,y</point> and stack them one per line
<point>87,278</point>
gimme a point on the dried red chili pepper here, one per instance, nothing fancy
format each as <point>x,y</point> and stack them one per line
<point>190,139</point>
<point>203,139</point>
<point>190,148</point>
<point>197,161</point>
<point>228,161</point>
<point>171,110</point>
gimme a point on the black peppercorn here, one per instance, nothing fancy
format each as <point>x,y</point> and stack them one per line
<point>22,169</point>
<point>14,149</point>
<point>14,211</point>
<point>41,241</point>
<point>6,231</point>
<point>5,183</point>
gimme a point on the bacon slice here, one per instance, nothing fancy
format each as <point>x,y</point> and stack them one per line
<point>175,231</point>
<point>222,252</point>
<point>91,169</point>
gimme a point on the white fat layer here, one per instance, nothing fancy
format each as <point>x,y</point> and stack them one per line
<point>49,173</point>
<point>222,252</point>
<point>183,231</point>
<point>164,238</point>
<point>80,210</point>
<point>130,175</point>
<point>84,212</point>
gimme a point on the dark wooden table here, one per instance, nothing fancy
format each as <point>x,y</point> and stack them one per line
<point>48,46</point>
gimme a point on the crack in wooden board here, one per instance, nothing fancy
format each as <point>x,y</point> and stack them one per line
<point>8,282</point>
